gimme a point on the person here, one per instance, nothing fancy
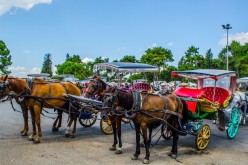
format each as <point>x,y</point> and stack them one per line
<point>126,85</point>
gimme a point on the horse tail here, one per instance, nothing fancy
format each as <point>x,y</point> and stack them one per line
<point>185,111</point>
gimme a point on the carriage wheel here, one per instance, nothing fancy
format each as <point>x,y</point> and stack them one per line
<point>203,137</point>
<point>89,121</point>
<point>233,123</point>
<point>106,127</point>
<point>166,132</point>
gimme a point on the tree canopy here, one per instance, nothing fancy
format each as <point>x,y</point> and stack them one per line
<point>5,59</point>
<point>47,64</point>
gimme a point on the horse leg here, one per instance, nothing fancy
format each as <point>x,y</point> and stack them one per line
<point>58,119</point>
<point>113,147</point>
<point>31,137</point>
<point>54,128</point>
<point>144,131</point>
<point>73,132</point>
<point>137,152</point>
<point>24,132</point>
<point>37,111</point>
<point>118,125</point>
<point>173,153</point>
<point>150,136</point>
<point>67,131</point>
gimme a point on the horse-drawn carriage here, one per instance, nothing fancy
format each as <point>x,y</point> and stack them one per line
<point>215,98</point>
<point>87,109</point>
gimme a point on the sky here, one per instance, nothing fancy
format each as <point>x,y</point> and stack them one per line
<point>115,28</point>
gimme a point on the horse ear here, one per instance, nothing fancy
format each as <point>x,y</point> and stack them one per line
<point>5,78</point>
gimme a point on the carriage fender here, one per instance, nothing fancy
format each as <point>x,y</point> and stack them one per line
<point>236,102</point>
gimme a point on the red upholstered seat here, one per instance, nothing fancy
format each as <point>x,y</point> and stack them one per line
<point>141,86</point>
<point>190,92</point>
<point>221,94</point>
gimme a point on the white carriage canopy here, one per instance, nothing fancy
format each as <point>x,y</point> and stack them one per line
<point>243,80</point>
<point>126,67</point>
<point>203,73</point>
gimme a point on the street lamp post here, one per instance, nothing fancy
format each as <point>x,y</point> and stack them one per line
<point>227,27</point>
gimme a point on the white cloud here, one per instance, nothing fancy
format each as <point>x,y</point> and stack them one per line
<point>17,68</point>
<point>240,37</point>
<point>87,59</point>
<point>20,71</point>
<point>35,70</point>
<point>7,5</point>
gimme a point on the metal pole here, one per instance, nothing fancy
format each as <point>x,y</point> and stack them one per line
<point>227,27</point>
<point>227,53</point>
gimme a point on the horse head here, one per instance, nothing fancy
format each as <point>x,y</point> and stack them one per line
<point>12,86</point>
<point>96,87</point>
<point>4,86</point>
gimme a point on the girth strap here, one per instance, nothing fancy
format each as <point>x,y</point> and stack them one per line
<point>165,106</point>
<point>174,113</point>
<point>137,102</point>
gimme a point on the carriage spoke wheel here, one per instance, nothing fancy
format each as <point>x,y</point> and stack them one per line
<point>106,127</point>
<point>203,137</point>
<point>88,121</point>
<point>166,132</point>
<point>233,123</point>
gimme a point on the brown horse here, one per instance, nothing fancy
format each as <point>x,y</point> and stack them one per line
<point>48,95</point>
<point>148,112</point>
<point>20,87</point>
<point>95,90</point>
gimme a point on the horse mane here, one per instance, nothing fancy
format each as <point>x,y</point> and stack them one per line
<point>104,85</point>
<point>21,81</point>
<point>38,80</point>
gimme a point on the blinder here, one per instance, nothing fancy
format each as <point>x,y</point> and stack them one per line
<point>3,87</point>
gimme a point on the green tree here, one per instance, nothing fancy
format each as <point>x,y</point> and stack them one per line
<point>67,57</point>
<point>74,58</point>
<point>157,56</point>
<point>166,73</point>
<point>5,59</point>
<point>209,59</point>
<point>191,60</point>
<point>47,64</point>
<point>79,70</point>
<point>129,58</point>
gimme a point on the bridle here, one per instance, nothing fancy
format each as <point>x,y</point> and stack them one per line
<point>95,88</point>
<point>3,87</point>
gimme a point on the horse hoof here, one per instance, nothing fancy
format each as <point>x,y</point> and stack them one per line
<point>118,151</point>
<point>54,129</point>
<point>24,134</point>
<point>134,157</point>
<point>173,156</point>
<point>30,138</point>
<point>112,148</point>
<point>67,134</point>
<point>146,161</point>
<point>36,141</point>
<point>73,136</point>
